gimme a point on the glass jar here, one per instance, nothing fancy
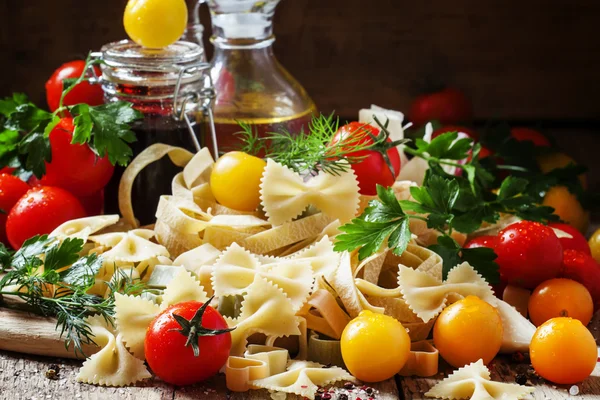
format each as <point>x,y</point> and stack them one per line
<point>169,86</point>
<point>251,85</point>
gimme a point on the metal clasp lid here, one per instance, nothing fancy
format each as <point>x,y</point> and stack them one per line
<point>203,99</point>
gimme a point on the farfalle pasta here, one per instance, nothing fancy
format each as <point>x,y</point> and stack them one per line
<point>285,194</point>
<point>474,382</point>
<point>133,315</point>
<point>303,378</point>
<point>265,309</point>
<point>113,365</point>
<point>82,228</point>
<point>131,246</point>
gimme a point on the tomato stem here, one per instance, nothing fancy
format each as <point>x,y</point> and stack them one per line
<point>193,328</point>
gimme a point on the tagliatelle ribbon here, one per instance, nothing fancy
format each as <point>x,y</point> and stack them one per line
<point>325,351</point>
<point>285,194</point>
<point>331,320</point>
<point>423,360</point>
<point>258,362</point>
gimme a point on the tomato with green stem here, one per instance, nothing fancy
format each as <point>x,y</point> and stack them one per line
<point>377,165</point>
<point>187,343</point>
<point>83,92</point>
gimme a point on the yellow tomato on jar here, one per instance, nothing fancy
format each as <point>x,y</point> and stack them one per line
<point>374,346</point>
<point>563,351</point>
<point>235,180</point>
<point>155,23</point>
<point>468,330</point>
<point>567,207</point>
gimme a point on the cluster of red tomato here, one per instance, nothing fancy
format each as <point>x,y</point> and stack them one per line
<point>73,184</point>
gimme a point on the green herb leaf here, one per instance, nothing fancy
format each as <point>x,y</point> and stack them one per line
<point>36,150</point>
<point>31,249</point>
<point>5,257</point>
<point>83,271</point>
<point>9,105</point>
<point>449,250</point>
<point>482,259</point>
<point>27,117</point>
<point>63,254</point>
<point>108,127</point>
<point>511,187</point>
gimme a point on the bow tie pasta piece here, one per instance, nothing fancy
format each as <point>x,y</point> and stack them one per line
<point>473,382</point>
<point>427,296</point>
<point>132,246</point>
<point>285,194</point>
<point>517,330</point>
<point>303,378</point>
<point>82,228</point>
<point>265,309</point>
<point>323,259</point>
<point>184,287</point>
<point>294,277</point>
<point>113,365</point>
<point>133,314</point>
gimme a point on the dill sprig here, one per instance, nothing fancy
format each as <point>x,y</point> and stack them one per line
<point>53,280</point>
<point>313,151</point>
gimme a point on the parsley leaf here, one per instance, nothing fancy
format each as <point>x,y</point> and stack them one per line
<point>63,254</point>
<point>31,249</point>
<point>83,271</point>
<point>383,219</point>
<point>449,250</point>
<point>106,128</point>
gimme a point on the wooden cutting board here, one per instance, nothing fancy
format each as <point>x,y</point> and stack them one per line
<point>23,332</point>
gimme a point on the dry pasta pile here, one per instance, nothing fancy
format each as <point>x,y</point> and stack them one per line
<point>277,279</point>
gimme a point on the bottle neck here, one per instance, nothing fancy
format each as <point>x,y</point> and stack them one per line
<point>244,30</point>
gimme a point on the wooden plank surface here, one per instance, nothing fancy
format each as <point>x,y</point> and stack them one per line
<point>533,59</point>
<point>23,377</point>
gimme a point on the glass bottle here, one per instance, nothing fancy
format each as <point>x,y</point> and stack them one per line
<point>195,30</point>
<point>251,85</point>
<point>169,86</point>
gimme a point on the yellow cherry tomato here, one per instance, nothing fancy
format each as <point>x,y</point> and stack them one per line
<point>374,346</point>
<point>567,207</point>
<point>560,298</point>
<point>563,351</point>
<point>235,180</point>
<point>594,243</point>
<point>548,162</point>
<point>155,23</point>
<point>468,330</point>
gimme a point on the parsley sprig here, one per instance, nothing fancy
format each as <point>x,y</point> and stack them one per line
<point>447,203</point>
<point>53,280</point>
<point>25,129</point>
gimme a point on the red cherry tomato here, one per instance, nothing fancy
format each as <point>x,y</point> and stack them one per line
<point>11,190</point>
<point>522,134</point>
<point>372,170</point>
<point>40,211</point>
<point>578,241</point>
<point>174,362</point>
<point>528,254</point>
<point>448,106</point>
<point>75,167</point>
<point>455,128</point>
<point>82,93</point>
<point>581,267</point>
<point>482,241</point>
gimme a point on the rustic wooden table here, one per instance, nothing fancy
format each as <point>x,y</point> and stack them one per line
<point>24,377</point>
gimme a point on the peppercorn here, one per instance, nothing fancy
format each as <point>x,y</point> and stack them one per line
<point>521,379</point>
<point>349,385</point>
<point>343,396</point>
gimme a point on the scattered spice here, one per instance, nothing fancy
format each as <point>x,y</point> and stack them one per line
<point>349,385</point>
<point>521,379</point>
<point>53,371</point>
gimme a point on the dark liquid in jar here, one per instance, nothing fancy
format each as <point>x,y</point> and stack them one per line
<point>227,130</point>
<point>154,180</point>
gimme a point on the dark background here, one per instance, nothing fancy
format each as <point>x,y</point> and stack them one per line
<point>533,62</point>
